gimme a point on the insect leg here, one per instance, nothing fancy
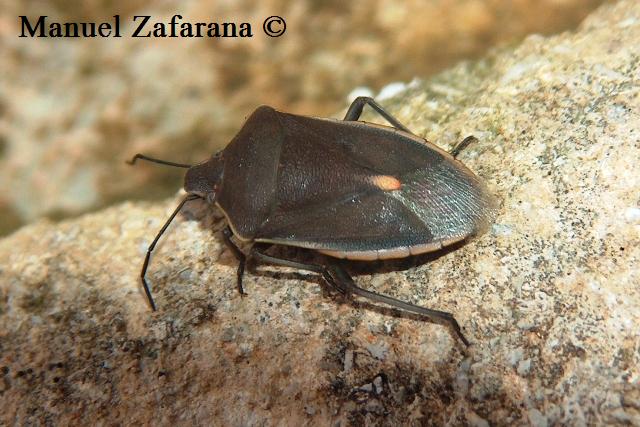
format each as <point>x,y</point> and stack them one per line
<point>240,256</point>
<point>343,279</point>
<point>314,268</point>
<point>355,111</point>
<point>462,145</point>
<point>145,264</point>
<point>337,277</point>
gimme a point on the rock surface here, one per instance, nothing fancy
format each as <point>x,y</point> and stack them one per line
<point>550,296</point>
<point>71,111</point>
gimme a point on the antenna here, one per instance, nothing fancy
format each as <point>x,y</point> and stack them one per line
<point>151,159</point>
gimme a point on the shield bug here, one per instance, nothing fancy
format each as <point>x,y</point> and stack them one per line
<point>344,188</point>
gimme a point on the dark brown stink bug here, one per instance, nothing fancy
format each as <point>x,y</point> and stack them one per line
<point>345,188</point>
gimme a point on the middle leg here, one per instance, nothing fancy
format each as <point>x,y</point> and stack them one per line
<point>355,111</point>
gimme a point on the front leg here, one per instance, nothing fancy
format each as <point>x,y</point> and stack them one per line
<point>227,234</point>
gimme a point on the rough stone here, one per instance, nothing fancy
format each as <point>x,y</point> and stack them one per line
<point>559,132</point>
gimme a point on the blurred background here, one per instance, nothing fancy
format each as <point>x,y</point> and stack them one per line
<point>73,110</point>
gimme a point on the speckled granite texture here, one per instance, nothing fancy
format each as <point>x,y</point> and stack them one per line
<point>549,296</point>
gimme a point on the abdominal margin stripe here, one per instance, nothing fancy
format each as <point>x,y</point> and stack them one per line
<point>394,253</point>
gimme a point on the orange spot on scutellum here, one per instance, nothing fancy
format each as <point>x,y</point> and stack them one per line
<point>386,182</point>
